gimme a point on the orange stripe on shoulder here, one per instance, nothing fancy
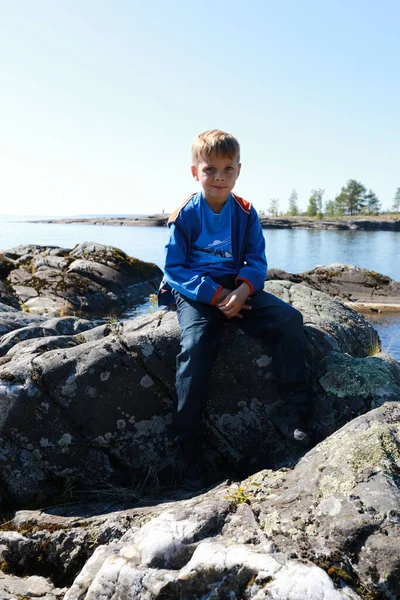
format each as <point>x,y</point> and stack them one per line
<point>174,215</point>
<point>244,204</point>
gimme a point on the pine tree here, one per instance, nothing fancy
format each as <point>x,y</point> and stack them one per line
<point>340,205</point>
<point>351,199</point>
<point>372,204</point>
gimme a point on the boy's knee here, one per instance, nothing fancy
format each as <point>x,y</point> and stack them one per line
<point>298,317</point>
<point>293,316</point>
<point>199,339</point>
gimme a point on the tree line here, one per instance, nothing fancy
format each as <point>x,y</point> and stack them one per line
<point>353,199</point>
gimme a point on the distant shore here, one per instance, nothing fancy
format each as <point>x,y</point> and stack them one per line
<point>142,221</point>
<point>376,223</point>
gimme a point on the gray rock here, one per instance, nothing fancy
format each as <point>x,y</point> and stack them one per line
<point>325,529</point>
<point>90,279</point>
<point>12,318</point>
<point>341,501</point>
<point>108,392</point>
<point>15,588</point>
<point>353,285</point>
<point>190,550</point>
<point>42,328</point>
<point>88,408</point>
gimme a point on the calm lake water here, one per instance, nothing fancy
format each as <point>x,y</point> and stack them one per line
<point>291,250</point>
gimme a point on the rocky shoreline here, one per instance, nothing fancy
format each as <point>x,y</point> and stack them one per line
<point>90,279</point>
<point>84,430</point>
<point>358,288</point>
<point>344,223</point>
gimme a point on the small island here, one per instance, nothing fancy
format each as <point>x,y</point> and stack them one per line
<point>364,223</point>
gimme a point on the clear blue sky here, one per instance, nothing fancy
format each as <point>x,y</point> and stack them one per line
<point>100,100</point>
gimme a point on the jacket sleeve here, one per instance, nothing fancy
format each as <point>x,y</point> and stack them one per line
<point>254,270</point>
<point>184,280</point>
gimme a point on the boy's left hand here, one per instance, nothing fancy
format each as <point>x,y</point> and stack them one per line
<point>235,302</point>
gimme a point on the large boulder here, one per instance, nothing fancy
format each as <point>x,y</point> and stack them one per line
<point>326,529</point>
<point>85,412</point>
<point>356,286</point>
<point>89,279</point>
<point>108,393</point>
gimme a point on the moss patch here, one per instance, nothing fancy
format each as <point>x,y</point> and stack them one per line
<point>357,377</point>
<point>378,446</point>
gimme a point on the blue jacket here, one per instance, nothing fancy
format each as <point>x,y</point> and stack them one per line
<point>248,248</point>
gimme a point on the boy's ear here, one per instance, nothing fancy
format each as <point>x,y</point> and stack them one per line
<point>239,167</point>
<point>193,168</point>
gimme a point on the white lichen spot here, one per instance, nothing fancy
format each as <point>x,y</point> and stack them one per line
<point>150,428</point>
<point>242,404</point>
<point>70,387</point>
<point>108,436</point>
<point>105,375</point>
<point>271,523</point>
<point>132,419</point>
<point>146,381</point>
<point>131,553</point>
<point>330,506</point>
<point>263,361</point>
<point>255,404</point>
<point>91,391</point>
<point>11,390</point>
<point>65,440</point>
<point>147,350</point>
<point>121,424</point>
<point>45,406</point>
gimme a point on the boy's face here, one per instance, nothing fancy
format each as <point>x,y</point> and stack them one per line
<point>217,176</point>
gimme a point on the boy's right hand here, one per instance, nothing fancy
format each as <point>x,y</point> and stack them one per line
<point>221,296</point>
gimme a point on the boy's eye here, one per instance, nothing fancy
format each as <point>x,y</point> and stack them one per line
<point>228,168</point>
<point>210,169</point>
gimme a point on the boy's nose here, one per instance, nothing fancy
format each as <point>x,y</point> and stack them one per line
<point>220,176</point>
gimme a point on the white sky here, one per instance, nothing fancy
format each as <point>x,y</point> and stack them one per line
<point>100,101</point>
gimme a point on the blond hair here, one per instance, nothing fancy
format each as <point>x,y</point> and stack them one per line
<point>217,141</point>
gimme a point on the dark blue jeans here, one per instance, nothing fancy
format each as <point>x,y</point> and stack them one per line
<point>201,332</point>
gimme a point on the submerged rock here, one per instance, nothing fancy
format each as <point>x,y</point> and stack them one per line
<point>89,279</point>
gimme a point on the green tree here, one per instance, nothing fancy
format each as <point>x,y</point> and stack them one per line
<point>330,208</point>
<point>273,207</point>
<point>293,207</point>
<point>396,201</point>
<point>372,204</point>
<point>340,204</point>
<point>315,203</point>
<point>351,199</point>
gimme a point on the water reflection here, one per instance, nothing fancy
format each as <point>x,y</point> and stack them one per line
<point>299,250</point>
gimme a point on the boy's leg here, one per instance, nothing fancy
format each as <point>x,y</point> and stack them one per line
<point>201,332</point>
<point>282,325</point>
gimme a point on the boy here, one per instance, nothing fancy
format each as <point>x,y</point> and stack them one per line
<point>216,266</point>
